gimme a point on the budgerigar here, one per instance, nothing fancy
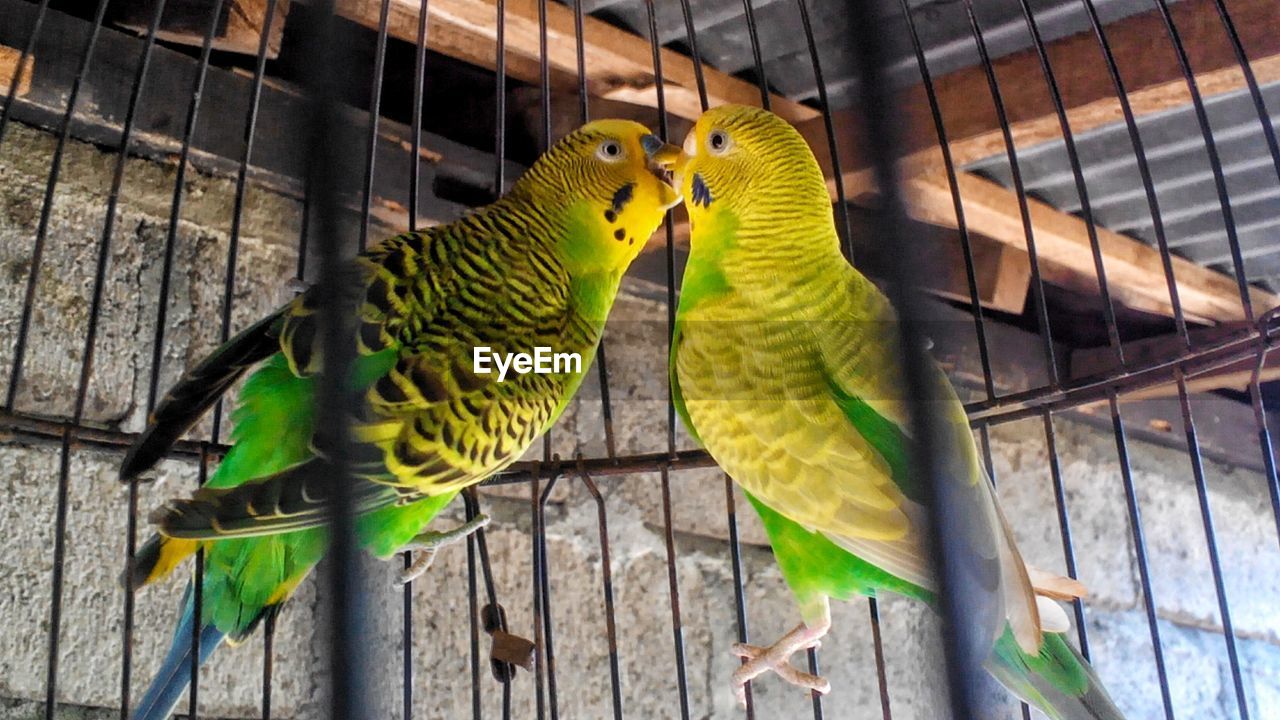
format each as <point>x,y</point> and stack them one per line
<point>785,366</point>
<point>538,268</point>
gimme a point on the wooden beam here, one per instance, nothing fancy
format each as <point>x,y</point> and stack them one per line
<point>1142,51</point>
<point>620,64</point>
<point>1091,362</point>
<point>1064,239</point>
<point>187,21</point>
<point>9,58</point>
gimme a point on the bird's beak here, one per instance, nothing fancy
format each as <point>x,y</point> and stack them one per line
<point>665,161</point>
<point>668,157</point>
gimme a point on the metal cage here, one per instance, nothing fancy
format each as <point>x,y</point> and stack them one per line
<point>1003,108</point>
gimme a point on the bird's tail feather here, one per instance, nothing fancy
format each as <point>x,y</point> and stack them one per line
<point>175,672</point>
<point>199,389</point>
<point>1058,680</point>
<point>157,558</point>
<point>296,498</point>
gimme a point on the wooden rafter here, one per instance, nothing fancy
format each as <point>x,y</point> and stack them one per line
<point>1132,267</point>
<point>1093,362</point>
<point>620,64</point>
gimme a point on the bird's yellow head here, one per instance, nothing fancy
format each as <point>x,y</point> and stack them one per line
<point>749,162</point>
<point>603,178</point>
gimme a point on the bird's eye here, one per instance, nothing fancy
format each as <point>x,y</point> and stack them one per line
<point>718,141</point>
<point>609,150</point>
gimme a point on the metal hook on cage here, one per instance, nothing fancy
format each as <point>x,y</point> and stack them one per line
<point>545,631</point>
<point>507,651</point>
<point>606,580</point>
<point>1268,324</point>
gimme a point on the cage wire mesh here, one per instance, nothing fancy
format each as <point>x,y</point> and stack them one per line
<point>620,550</point>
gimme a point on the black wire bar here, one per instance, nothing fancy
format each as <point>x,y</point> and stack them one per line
<point>321,222</point>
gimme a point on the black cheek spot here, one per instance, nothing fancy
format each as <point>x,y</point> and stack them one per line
<point>611,216</point>
<point>623,196</point>
<point>619,233</point>
<point>701,193</point>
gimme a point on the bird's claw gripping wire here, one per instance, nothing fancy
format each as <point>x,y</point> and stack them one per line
<point>426,544</point>
<point>776,657</point>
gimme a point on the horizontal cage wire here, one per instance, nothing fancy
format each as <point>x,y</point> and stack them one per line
<point>1072,204</point>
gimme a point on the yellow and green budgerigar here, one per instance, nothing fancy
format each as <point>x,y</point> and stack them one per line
<point>539,268</point>
<point>785,366</point>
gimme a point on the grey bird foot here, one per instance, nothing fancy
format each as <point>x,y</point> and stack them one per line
<point>776,658</point>
<point>426,544</point>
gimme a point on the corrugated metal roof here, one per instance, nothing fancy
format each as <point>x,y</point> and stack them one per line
<point>724,41</point>
<point>1185,190</point>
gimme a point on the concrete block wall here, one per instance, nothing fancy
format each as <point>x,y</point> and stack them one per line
<point>90,641</point>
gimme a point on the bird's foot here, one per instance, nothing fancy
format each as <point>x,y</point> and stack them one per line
<point>426,544</point>
<point>776,657</point>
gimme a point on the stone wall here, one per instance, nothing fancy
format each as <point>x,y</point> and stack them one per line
<point>92,603</point>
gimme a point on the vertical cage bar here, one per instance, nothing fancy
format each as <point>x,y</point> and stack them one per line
<point>1144,169</point>
<point>1215,163</point>
<point>606,570</point>
<point>325,66</point>
<point>1211,539</point>
<point>673,585</point>
<point>1037,283</point>
<point>753,34</point>
<point>1064,527</point>
<point>984,436</point>
<point>960,639</point>
<point>539,577</point>
<point>197,602</point>
<point>415,173</point>
<point>474,618</point>
<point>375,106</point>
<point>268,662</point>
<point>739,591</point>
<point>472,503</point>
<point>1077,174</point>
<point>242,176</point>
<point>877,642</point>
<point>1140,552</point>
<point>544,580</point>
<point>59,559</point>
<point>824,105</point>
<point>971,275</point>
<point>162,307</point>
<point>42,228</point>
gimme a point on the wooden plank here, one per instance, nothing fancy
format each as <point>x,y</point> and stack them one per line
<point>1148,66</point>
<point>187,21</point>
<point>1064,239</point>
<point>1090,362</point>
<point>619,63</point>
<point>9,58</point>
